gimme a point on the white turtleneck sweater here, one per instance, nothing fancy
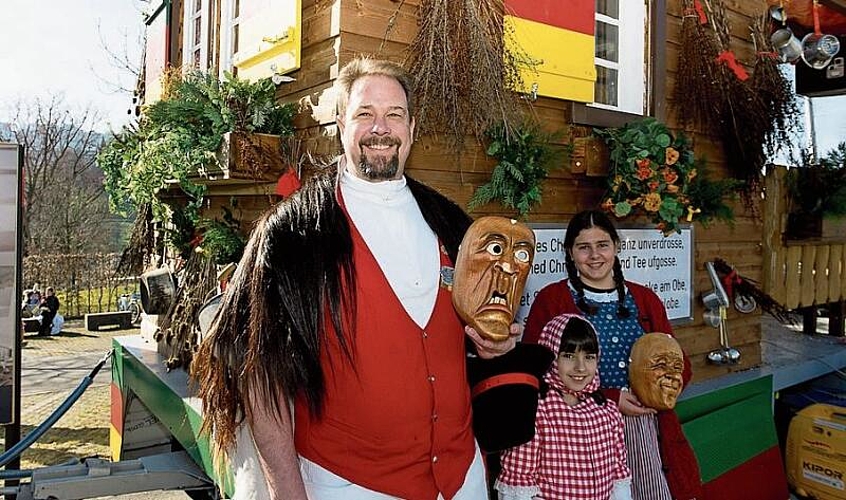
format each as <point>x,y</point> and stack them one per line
<point>389,220</point>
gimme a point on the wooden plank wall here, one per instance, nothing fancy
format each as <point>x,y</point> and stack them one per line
<point>334,31</point>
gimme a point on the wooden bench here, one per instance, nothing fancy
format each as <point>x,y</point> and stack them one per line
<point>31,324</point>
<point>122,319</point>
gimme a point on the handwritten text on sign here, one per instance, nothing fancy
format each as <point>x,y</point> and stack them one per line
<point>663,264</point>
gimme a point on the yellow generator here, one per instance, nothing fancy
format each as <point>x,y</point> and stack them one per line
<point>816,452</point>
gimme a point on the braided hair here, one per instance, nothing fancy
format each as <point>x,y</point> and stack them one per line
<point>588,219</point>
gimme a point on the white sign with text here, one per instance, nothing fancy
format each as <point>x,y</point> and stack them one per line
<point>664,264</point>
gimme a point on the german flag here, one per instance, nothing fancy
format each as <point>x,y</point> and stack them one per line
<point>559,35</point>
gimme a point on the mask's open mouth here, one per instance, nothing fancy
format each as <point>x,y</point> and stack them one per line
<point>498,298</point>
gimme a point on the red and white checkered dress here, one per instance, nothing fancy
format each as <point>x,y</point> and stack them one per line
<point>578,452</point>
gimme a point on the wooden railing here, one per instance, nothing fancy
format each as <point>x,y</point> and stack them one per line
<point>800,273</point>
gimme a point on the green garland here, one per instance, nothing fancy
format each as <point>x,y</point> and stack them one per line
<point>180,135</point>
<point>523,158</point>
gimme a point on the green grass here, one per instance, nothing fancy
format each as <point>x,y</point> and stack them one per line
<point>92,300</point>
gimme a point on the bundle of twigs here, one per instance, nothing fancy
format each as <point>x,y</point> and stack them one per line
<point>744,115</point>
<point>771,86</point>
<point>178,330</point>
<point>740,285</point>
<point>465,67</point>
<point>137,255</point>
<point>697,90</point>
<point>714,92</point>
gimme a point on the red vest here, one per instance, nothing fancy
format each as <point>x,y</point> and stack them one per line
<point>397,418</point>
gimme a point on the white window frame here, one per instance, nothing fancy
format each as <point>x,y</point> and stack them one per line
<point>632,49</point>
<point>228,23</point>
<point>188,45</point>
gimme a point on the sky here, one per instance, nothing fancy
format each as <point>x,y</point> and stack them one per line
<point>58,47</point>
<point>829,121</point>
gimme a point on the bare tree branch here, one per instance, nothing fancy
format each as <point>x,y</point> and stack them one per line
<point>121,59</point>
<point>66,206</point>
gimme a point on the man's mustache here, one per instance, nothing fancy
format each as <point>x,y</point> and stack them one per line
<point>380,141</point>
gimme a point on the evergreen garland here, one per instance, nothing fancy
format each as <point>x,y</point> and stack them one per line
<point>523,162</point>
<point>180,135</point>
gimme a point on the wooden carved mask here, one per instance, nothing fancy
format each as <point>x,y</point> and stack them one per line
<point>655,370</point>
<point>493,263</point>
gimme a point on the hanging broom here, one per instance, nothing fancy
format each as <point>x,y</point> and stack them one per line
<point>464,69</point>
<point>697,92</point>
<point>770,84</point>
<point>744,115</point>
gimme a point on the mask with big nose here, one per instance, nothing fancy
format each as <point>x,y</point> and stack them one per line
<point>493,263</point>
<point>655,370</point>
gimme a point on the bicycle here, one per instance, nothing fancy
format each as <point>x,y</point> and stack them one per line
<point>131,302</point>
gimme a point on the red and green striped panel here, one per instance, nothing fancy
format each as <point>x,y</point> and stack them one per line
<point>759,478</point>
<point>733,435</point>
<point>173,408</point>
<point>116,422</point>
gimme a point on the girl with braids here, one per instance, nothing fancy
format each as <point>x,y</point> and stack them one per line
<point>620,311</point>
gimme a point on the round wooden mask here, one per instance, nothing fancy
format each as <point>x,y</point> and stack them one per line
<point>493,263</point>
<point>655,370</point>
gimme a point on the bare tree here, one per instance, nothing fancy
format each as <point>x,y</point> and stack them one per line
<point>66,206</point>
<point>122,58</point>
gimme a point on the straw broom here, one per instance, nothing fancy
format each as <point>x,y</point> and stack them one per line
<point>770,84</point>
<point>745,120</point>
<point>697,86</point>
<point>464,69</point>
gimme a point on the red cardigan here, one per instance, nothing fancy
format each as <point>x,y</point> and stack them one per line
<point>680,465</point>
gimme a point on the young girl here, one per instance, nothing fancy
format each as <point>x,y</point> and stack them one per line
<point>621,311</point>
<point>578,452</point>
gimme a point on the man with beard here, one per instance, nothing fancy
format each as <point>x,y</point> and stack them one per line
<point>337,352</point>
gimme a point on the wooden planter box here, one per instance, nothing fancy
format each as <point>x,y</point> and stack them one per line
<point>247,157</point>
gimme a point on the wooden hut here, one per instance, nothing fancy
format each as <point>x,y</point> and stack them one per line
<point>595,72</point>
<point>330,33</point>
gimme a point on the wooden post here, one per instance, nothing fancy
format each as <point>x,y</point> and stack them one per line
<point>821,276</point>
<point>809,320</point>
<point>836,312</point>
<point>773,246</point>
<point>808,278</point>
<point>791,295</point>
<point>836,273</point>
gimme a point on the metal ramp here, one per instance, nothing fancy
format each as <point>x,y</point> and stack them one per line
<point>96,477</point>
